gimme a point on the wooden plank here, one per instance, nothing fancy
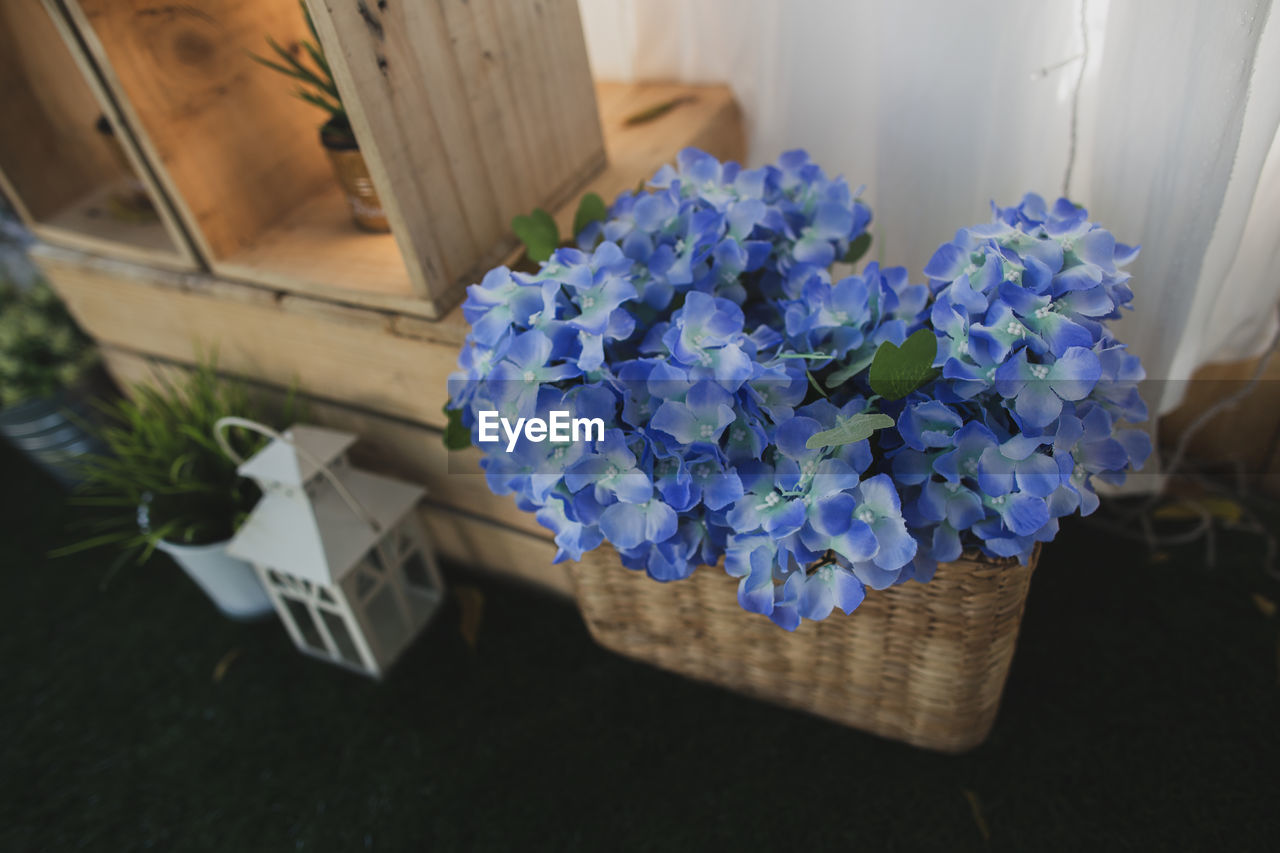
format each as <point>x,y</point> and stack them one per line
<point>88,224</point>
<point>469,114</point>
<point>176,316</point>
<point>475,543</point>
<point>315,249</point>
<point>705,117</point>
<point>56,167</point>
<point>471,524</point>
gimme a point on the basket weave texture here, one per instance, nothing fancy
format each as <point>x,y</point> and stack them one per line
<point>920,663</point>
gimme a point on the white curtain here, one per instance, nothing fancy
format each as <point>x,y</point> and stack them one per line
<point>1161,115</point>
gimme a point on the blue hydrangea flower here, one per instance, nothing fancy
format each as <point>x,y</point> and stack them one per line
<point>1020,311</point>
<point>701,323</point>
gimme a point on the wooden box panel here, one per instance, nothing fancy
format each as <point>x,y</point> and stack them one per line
<point>347,355</point>
<point>65,177</point>
<point>467,113</point>
<point>484,107</point>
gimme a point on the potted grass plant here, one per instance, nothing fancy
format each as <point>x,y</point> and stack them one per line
<point>305,63</point>
<point>164,484</point>
<point>895,450</point>
<point>48,374</point>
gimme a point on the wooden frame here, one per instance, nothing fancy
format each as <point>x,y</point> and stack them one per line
<point>452,103</point>
<point>71,183</point>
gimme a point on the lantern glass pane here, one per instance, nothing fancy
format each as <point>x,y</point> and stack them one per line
<point>405,539</point>
<point>275,578</point>
<point>385,621</point>
<point>341,637</point>
<point>375,558</point>
<point>306,625</point>
<point>365,582</point>
<point>325,595</point>
<point>416,574</point>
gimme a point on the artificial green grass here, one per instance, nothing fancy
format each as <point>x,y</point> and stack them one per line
<point>1141,714</point>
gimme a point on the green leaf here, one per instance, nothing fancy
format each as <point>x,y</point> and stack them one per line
<point>897,371</point>
<point>293,68</point>
<point>317,101</point>
<point>857,248</point>
<point>656,111</point>
<point>856,428</point>
<point>456,436</point>
<point>538,232</point>
<point>843,374</point>
<point>471,611</point>
<point>590,209</point>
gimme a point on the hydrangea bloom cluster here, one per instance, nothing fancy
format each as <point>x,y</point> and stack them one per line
<point>677,321</point>
<point>701,323</point>
<point>1034,387</point>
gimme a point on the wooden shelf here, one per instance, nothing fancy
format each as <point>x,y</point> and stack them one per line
<point>57,168</point>
<point>467,114</point>
<point>314,249</point>
<point>94,224</point>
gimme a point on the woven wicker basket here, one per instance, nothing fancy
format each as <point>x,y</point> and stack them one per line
<point>920,663</point>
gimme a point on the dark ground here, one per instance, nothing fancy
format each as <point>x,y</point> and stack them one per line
<point>1141,714</point>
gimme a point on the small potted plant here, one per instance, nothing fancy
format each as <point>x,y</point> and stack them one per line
<point>164,484</point>
<point>306,64</point>
<point>894,450</point>
<point>47,376</point>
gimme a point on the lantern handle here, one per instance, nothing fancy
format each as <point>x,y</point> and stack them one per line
<point>349,499</point>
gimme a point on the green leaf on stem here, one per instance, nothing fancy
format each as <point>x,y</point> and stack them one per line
<point>456,436</point>
<point>538,232</point>
<point>856,428</point>
<point>590,209</point>
<point>841,375</point>
<point>897,371</point>
<point>857,248</point>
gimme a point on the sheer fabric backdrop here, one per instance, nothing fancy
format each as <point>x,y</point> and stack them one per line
<point>1161,115</point>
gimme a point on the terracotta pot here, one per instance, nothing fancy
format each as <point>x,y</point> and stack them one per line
<point>353,175</point>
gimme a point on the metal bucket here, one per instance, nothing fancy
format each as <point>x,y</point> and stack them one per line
<point>50,431</point>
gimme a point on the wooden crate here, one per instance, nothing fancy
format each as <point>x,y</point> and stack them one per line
<point>467,112</point>
<point>384,361</point>
<point>67,179</point>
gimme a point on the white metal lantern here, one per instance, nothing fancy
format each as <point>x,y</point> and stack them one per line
<point>341,551</point>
